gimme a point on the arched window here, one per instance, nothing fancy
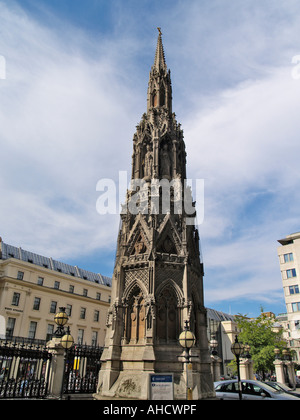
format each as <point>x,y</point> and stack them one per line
<point>162,96</point>
<point>167,316</point>
<point>154,98</point>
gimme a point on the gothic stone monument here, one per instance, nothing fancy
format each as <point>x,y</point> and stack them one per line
<point>158,277</point>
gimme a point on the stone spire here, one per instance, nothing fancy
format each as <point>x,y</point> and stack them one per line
<point>160,87</point>
<point>160,61</point>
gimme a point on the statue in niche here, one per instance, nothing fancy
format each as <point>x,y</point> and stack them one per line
<point>165,163</point>
<point>136,321</point>
<point>148,164</point>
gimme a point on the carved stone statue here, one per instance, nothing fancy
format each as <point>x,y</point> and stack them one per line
<point>165,163</point>
<point>148,164</point>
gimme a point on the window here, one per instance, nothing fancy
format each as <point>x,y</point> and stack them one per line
<point>98,296</point>
<point>32,330</point>
<point>36,304</point>
<point>85,292</point>
<point>20,275</point>
<point>10,326</point>
<point>296,307</point>
<point>288,257</point>
<point>109,299</point>
<point>253,389</point>
<point>291,273</point>
<point>15,299</point>
<point>294,289</point>
<point>231,387</point>
<point>69,310</point>
<point>56,284</point>
<point>82,313</point>
<point>53,306</point>
<point>50,331</point>
<point>71,288</point>
<point>80,336</point>
<point>96,316</point>
<point>40,281</point>
<point>94,338</point>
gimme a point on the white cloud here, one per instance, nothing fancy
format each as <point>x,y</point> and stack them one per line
<point>63,116</point>
<point>245,145</point>
<point>68,109</point>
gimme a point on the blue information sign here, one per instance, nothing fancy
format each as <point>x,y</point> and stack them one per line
<point>161,386</point>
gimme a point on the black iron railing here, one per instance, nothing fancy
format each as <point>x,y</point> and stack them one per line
<point>24,369</point>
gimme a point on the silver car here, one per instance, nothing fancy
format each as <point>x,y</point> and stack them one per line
<point>251,390</point>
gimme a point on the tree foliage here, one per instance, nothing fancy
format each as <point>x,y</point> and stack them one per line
<point>263,338</point>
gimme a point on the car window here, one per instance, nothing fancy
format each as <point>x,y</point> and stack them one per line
<point>229,388</point>
<point>252,389</point>
<point>226,387</point>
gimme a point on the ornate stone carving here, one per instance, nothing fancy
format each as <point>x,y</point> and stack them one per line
<point>157,282</point>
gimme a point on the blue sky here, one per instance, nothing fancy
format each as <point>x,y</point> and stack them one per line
<point>75,88</point>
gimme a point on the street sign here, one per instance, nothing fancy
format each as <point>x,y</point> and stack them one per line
<point>161,386</point>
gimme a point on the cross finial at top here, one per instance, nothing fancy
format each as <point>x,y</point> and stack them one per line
<point>159,31</point>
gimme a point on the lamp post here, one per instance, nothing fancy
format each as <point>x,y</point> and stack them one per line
<point>247,349</point>
<point>66,339</point>
<point>237,349</point>
<point>277,353</point>
<point>187,340</point>
<point>60,319</point>
<point>213,344</point>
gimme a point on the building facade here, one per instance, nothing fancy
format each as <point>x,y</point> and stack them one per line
<point>33,288</point>
<point>223,328</point>
<point>289,260</point>
<point>157,286</point>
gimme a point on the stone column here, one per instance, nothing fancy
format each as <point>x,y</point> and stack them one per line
<point>57,367</point>
<point>246,369</point>
<point>291,374</point>
<point>279,371</point>
<point>216,368</point>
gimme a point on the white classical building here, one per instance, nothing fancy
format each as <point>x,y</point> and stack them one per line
<point>289,260</point>
<point>34,287</point>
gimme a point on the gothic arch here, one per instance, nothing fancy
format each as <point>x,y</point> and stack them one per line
<point>138,236</point>
<point>168,300</point>
<point>135,316</point>
<point>168,231</point>
<point>162,95</point>
<point>130,288</point>
<point>171,285</point>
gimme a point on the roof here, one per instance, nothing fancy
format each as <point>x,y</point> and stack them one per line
<point>218,316</point>
<point>289,238</point>
<point>9,251</point>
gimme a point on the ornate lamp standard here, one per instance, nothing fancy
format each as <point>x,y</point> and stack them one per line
<point>213,344</point>
<point>187,340</point>
<point>66,339</point>
<point>237,349</point>
<point>60,319</point>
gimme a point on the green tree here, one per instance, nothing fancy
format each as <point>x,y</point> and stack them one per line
<point>263,338</point>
